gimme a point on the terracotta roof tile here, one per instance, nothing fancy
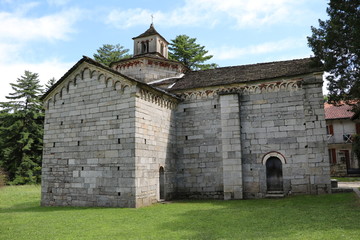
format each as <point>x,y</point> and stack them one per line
<point>337,112</point>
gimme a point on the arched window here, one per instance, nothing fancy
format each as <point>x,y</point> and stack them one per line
<point>145,46</point>
<point>162,49</point>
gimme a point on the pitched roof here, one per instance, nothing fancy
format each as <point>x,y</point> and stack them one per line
<point>150,32</point>
<point>246,73</point>
<point>95,63</point>
<point>342,111</point>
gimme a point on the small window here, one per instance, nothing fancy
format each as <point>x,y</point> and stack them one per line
<point>162,49</point>
<point>329,130</point>
<point>347,138</point>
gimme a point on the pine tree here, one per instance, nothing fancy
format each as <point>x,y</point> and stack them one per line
<point>111,53</point>
<point>336,43</point>
<point>185,50</point>
<point>21,131</point>
<point>49,84</point>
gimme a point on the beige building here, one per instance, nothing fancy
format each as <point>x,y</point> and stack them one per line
<point>340,127</point>
<point>147,128</point>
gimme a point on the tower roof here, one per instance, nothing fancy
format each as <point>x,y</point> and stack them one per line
<point>150,32</point>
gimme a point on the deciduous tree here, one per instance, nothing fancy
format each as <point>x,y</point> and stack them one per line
<point>336,43</point>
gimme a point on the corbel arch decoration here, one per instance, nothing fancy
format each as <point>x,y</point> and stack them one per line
<point>108,82</point>
<point>117,86</point>
<point>48,103</point>
<point>273,154</point>
<point>86,72</point>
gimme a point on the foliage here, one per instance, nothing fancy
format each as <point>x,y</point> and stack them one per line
<point>356,146</point>
<point>336,43</point>
<point>108,54</point>
<point>330,216</point>
<point>21,131</point>
<point>185,50</point>
<point>49,84</point>
<point>3,178</point>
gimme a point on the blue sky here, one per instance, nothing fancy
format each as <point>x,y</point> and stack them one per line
<point>49,36</point>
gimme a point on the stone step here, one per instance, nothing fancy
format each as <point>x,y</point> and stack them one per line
<point>275,194</point>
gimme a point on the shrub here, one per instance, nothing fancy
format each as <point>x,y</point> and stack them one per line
<point>356,146</point>
<point>3,178</point>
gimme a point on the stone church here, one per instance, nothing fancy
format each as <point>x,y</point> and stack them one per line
<point>147,129</point>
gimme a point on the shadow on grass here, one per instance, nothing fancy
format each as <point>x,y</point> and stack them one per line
<point>34,206</point>
<point>301,217</point>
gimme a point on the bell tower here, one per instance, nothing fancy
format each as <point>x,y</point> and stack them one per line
<point>150,43</point>
<point>150,61</point>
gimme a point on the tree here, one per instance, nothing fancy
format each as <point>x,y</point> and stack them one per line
<point>336,43</point>
<point>21,131</point>
<point>111,53</point>
<point>49,84</point>
<point>185,50</point>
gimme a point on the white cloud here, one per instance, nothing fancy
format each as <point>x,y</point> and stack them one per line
<point>231,52</point>
<point>58,2</point>
<point>19,28</point>
<point>18,31</point>
<point>46,70</point>
<point>241,13</point>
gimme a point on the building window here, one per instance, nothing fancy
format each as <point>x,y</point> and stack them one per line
<point>145,47</point>
<point>162,49</point>
<point>329,130</point>
<point>347,138</point>
<point>332,156</point>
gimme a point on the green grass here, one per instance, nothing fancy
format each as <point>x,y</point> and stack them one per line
<point>347,179</point>
<point>302,217</point>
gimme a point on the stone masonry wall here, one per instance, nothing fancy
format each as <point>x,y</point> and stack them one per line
<point>89,142</point>
<point>289,122</point>
<point>231,146</point>
<point>154,143</point>
<point>148,70</point>
<point>199,156</point>
<point>317,150</point>
<point>283,118</point>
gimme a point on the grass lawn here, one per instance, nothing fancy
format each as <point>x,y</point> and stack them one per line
<point>347,179</point>
<point>334,216</point>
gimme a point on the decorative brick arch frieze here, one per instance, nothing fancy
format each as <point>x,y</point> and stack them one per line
<point>109,80</point>
<point>292,85</point>
<point>128,64</point>
<point>157,98</point>
<point>273,154</point>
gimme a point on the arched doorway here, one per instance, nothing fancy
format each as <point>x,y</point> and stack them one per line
<point>274,176</point>
<point>161,183</point>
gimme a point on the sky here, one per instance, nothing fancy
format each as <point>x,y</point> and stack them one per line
<point>49,36</point>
